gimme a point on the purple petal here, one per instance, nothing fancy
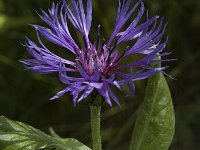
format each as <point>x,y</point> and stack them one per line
<point>123,15</point>
<point>147,74</point>
<point>88,90</point>
<point>59,94</point>
<point>94,84</point>
<point>82,71</point>
<point>77,16</point>
<point>114,97</point>
<point>133,33</point>
<point>89,15</point>
<point>104,93</point>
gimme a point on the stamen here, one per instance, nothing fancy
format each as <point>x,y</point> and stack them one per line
<point>122,55</point>
<point>86,47</point>
<point>110,52</point>
<point>98,38</point>
<point>114,46</point>
<point>75,50</point>
<point>103,43</point>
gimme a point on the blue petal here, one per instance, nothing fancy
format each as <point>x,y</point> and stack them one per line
<point>123,15</point>
<point>59,94</point>
<point>88,90</point>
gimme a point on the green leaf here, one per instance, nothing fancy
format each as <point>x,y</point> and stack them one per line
<point>154,128</point>
<point>19,136</point>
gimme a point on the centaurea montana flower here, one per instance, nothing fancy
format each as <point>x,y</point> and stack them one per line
<point>97,64</point>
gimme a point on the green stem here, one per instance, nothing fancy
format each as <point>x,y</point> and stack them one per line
<point>95,126</point>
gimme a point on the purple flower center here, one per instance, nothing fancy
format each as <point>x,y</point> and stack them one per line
<point>98,56</point>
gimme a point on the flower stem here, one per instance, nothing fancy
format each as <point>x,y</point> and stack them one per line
<point>95,112</point>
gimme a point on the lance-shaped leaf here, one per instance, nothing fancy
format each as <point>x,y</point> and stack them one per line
<point>18,136</point>
<point>154,128</point>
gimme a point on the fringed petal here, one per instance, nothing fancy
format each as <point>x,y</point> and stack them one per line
<point>88,90</point>
<point>58,32</point>
<point>44,61</point>
<point>104,93</point>
<point>78,18</point>
<point>59,94</point>
<point>123,15</point>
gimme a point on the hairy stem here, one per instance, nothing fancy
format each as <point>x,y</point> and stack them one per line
<point>95,112</point>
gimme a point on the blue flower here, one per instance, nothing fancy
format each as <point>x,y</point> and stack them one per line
<point>97,65</point>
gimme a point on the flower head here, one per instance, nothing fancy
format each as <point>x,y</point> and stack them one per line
<point>97,64</point>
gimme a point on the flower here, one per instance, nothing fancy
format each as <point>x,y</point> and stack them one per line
<point>97,65</point>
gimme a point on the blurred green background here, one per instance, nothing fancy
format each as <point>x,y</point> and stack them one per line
<point>24,95</point>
